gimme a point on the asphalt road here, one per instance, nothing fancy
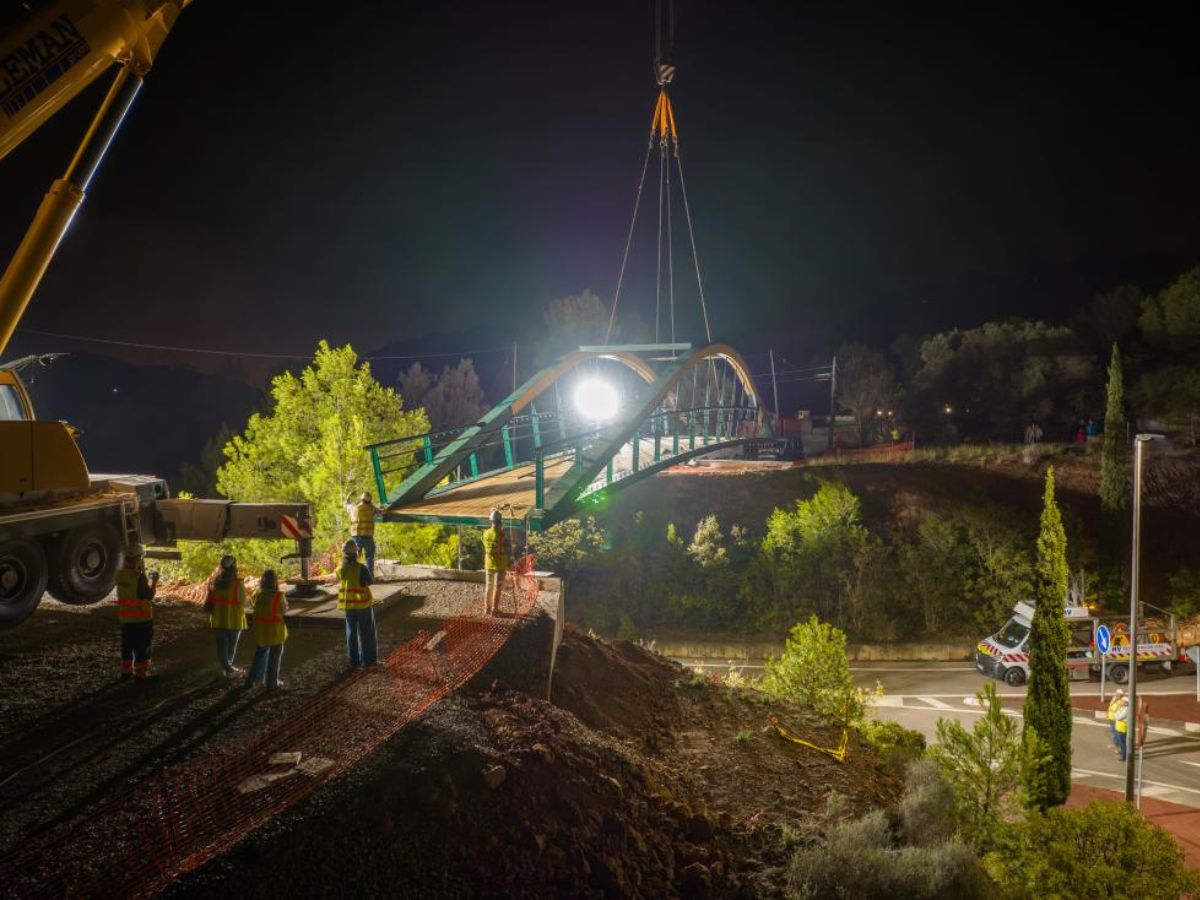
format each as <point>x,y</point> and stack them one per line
<point>917,694</point>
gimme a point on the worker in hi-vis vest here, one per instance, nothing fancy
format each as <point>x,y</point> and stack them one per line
<point>270,632</point>
<point>362,524</point>
<point>135,612</point>
<point>495,562</point>
<point>226,608</point>
<point>354,596</point>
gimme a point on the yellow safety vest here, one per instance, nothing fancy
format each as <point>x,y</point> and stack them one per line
<point>130,607</point>
<point>1112,709</point>
<point>269,627</point>
<point>228,606</point>
<point>1122,724</point>
<point>364,520</point>
<point>351,593</point>
<point>495,550</point>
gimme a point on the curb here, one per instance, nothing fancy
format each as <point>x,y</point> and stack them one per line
<point>1170,725</point>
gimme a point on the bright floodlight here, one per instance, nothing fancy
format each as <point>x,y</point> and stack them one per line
<point>597,400</point>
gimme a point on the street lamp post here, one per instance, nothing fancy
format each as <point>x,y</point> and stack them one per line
<point>1131,719</point>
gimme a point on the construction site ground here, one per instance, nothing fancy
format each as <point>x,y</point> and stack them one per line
<point>639,779</point>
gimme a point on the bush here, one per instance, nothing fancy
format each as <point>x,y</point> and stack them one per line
<point>927,811</point>
<point>813,671</point>
<point>858,860</point>
<point>896,745</point>
<point>1105,850</point>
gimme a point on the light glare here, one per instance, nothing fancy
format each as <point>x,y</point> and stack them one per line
<point>597,400</point>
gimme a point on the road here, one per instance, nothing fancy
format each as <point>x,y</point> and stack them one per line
<point>916,695</point>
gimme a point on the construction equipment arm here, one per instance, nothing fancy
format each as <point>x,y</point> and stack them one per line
<point>43,65</point>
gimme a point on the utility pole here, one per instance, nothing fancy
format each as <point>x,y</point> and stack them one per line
<point>1139,443</point>
<point>774,388</point>
<point>832,393</point>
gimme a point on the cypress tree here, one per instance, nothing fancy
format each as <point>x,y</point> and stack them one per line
<point>1048,699</point>
<point>1114,459</point>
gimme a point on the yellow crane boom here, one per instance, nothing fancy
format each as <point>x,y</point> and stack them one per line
<point>44,64</point>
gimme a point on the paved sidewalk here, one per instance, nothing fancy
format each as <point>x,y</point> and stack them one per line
<point>1182,821</point>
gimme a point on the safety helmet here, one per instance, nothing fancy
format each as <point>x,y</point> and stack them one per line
<point>1118,693</point>
<point>365,498</point>
<point>350,549</point>
<point>495,517</point>
<point>228,562</point>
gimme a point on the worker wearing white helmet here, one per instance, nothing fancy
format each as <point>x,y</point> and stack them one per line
<point>135,612</point>
<point>362,523</point>
<point>354,597</point>
<point>226,607</point>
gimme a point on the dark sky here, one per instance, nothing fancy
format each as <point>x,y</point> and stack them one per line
<point>854,170</point>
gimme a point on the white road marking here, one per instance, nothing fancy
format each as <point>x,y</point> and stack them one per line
<point>1121,777</point>
<point>935,703</point>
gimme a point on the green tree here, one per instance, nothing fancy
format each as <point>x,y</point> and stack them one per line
<point>983,766</point>
<point>1114,486</point>
<point>564,547</point>
<point>309,446</point>
<point>1170,322</point>
<point>1048,699</point>
<point>1105,850</point>
<point>813,671</point>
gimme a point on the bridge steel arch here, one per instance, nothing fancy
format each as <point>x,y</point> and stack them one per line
<point>567,471</point>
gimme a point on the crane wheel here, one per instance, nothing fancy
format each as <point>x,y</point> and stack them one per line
<point>22,580</point>
<point>83,564</point>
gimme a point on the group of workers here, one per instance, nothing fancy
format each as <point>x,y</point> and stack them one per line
<point>225,603</point>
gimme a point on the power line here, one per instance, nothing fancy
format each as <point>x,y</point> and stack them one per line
<point>170,349</point>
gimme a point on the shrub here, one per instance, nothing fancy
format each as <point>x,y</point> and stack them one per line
<point>1105,850</point>
<point>813,671</point>
<point>927,810</point>
<point>858,860</point>
<point>896,745</point>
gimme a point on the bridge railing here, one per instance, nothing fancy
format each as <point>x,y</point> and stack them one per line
<point>673,432</point>
<point>394,460</point>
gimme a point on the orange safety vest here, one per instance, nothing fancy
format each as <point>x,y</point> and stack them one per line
<point>269,627</point>
<point>130,607</point>
<point>352,594</point>
<point>227,606</point>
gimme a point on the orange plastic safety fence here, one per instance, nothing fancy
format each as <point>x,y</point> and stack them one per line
<point>139,839</point>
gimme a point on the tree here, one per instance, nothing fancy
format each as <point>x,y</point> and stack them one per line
<point>1114,486</point>
<point>1111,317</point>
<point>865,385</point>
<point>310,446</point>
<point>1105,850</point>
<point>450,400</point>
<point>1170,323</point>
<point>1048,699</point>
<point>813,671</point>
<point>983,766</point>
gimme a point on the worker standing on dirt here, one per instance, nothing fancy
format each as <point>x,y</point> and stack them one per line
<point>135,611</point>
<point>354,596</point>
<point>226,607</point>
<point>270,633</point>
<point>495,562</point>
<point>362,520</point>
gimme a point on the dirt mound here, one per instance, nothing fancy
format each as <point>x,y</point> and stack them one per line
<point>650,782</point>
<point>616,687</point>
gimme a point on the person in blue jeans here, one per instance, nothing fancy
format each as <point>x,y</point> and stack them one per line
<point>270,633</point>
<point>226,608</point>
<point>354,597</point>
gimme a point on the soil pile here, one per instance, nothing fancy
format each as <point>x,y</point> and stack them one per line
<point>650,783</point>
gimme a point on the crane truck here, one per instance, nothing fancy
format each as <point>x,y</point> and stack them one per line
<point>62,527</point>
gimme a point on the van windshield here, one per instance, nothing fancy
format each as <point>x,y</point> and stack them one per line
<point>1012,634</point>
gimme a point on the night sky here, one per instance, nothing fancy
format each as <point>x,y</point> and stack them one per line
<point>855,171</point>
